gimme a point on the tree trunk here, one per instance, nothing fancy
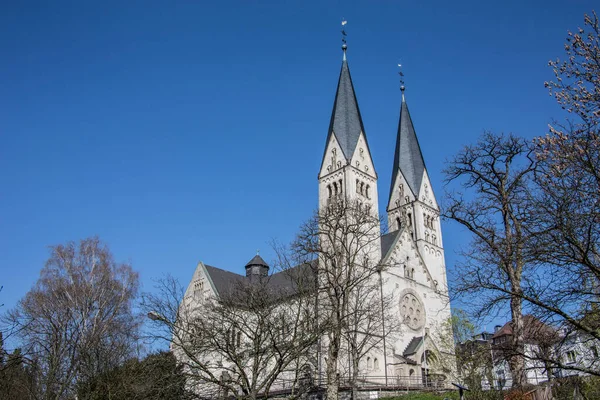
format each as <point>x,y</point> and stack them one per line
<point>333,378</point>
<point>516,359</point>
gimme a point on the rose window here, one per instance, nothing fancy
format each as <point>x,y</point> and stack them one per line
<point>411,311</point>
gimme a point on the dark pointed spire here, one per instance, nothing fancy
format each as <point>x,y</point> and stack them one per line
<point>346,122</point>
<point>407,158</point>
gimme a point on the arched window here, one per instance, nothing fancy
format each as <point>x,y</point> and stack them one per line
<point>433,239</point>
<point>405,272</point>
<point>335,188</point>
<point>409,217</point>
<point>340,182</point>
<point>367,192</point>
<point>376,364</point>
<point>369,363</point>
<point>398,222</point>
<point>362,188</point>
<point>329,191</point>
<point>427,236</point>
<point>412,273</point>
<point>357,186</point>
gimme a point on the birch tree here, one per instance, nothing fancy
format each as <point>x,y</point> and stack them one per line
<point>78,320</point>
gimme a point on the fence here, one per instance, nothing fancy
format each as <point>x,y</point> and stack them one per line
<point>395,383</point>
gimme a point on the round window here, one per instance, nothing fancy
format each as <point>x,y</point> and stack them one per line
<point>411,310</point>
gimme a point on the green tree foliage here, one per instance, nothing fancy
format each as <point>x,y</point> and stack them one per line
<point>17,380</point>
<point>156,377</point>
<point>473,357</point>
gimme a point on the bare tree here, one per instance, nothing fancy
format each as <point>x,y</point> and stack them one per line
<point>241,343</point>
<point>342,239</point>
<point>496,176</point>
<point>77,321</point>
<point>567,206</point>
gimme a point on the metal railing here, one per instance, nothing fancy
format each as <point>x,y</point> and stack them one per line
<point>364,382</point>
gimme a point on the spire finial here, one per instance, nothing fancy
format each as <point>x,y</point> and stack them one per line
<point>344,34</point>
<point>402,87</point>
<point>257,252</point>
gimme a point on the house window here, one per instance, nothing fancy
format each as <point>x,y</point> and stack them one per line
<point>376,364</point>
<point>369,363</point>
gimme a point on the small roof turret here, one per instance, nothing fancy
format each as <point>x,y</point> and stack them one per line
<point>257,268</point>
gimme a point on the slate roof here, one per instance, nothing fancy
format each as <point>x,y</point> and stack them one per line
<point>412,347</point>
<point>257,260</point>
<point>284,282</point>
<point>408,157</point>
<point>223,280</point>
<point>346,122</point>
<point>386,242</point>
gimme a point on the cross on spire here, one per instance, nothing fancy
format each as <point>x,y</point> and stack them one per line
<point>344,34</point>
<point>402,87</point>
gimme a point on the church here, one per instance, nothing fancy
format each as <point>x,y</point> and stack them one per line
<point>413,247</point>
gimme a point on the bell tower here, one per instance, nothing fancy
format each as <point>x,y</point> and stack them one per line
<point>412,203</point>
<point>347,170</point>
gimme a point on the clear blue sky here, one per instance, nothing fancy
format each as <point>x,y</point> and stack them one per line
<point>190,130</point>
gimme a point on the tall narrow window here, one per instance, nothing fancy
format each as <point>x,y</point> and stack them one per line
<point>198,290</point>
<point>367,192</point>
<point>398,223</point>
<point>335,188</point>
<point>340,182</point>
<point>329,191</point>
<point>376,364</point>
<point>369,363</point>
<point>409,217</point>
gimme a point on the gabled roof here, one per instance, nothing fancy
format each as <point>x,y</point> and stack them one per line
<point>223,280</point>
<point>407,158</point>
<point>387,241</point>
<point>287,282</point>
<point>534,330</point>
<point>413,345</point>
<point>346,122</point>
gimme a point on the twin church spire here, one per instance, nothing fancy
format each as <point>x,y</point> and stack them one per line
<point>347,166</point>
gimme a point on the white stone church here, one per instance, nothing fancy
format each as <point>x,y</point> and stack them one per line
<point>413,247</point>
